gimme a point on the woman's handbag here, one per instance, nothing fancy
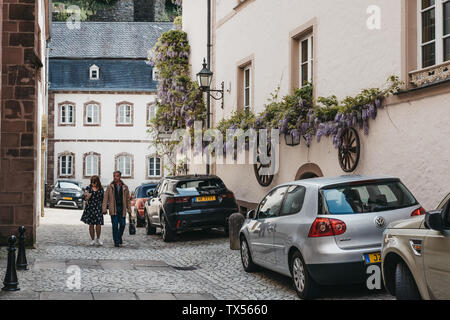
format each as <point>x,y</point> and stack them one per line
<point>132,228</point>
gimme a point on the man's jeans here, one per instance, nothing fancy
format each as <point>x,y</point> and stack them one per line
<point>118,227</point>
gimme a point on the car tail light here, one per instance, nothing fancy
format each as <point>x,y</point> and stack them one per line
<point>179,200</point>
<point>324,227</point>
<point>228,195</point>
<point>418,212</point>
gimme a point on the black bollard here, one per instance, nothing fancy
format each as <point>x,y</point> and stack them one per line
<point>11,282</point>
<point>22,263</point>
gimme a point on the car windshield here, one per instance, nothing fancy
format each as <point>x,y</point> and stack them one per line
<point>367,197</point>
<point>143,191</point>
<point>200,185</point>
<point>68,185</point>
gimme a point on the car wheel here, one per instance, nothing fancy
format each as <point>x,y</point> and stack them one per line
<point>151,230</point>
<point>405,286</point>
<point>167,234</point>
<point>246,257</point>
<point>305,286</point>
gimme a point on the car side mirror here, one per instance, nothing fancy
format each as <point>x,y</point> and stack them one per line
<point>251,214</point>
<point>434,221</point>
<point>150,193</point>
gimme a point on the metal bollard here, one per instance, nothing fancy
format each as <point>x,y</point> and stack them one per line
<point>235,223</point>
<point>22,263</point>
<point>11,282</point>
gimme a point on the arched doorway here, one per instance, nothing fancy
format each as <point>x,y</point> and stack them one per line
<point>308,171</point>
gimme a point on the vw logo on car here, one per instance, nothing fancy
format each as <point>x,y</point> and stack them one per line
<point>380,222</point>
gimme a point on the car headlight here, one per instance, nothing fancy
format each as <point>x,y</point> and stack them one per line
<point>78,194</point>
<point>56,193</point>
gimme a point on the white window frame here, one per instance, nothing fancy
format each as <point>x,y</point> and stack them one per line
<point>63,113</point>
<point>155,167</point>
<point>125,165</point>
<point>94,72</point>
<point>154,74</point>
<point>439,32</point>
<point>309,61</point>
<point>122,114</point>
<point>68,169</point>
<point>247,87</point>
<point>91,162</point>
<point>94,113</point>
<point>152,110</point>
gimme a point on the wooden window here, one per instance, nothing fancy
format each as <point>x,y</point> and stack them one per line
<point>124,114</point>
<point>306,60</point>
<point>124,165</point>
<point>66,165</point>
<point>91,165</point>
<point>154,167</point>
<point>245,83</point>
<point>67,114</point>
<point>94,72</point>
<point>151,112</point>
<point>92,114</point>
<point>433,32</point>
<point>247,87</point>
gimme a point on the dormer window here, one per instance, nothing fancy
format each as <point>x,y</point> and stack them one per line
<point>94,72</point>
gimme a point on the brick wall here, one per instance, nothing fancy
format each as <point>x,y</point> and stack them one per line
<point>18,148</point>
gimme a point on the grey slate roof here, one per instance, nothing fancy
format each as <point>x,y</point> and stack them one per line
<point>105,39</point>
<point>115,75</point>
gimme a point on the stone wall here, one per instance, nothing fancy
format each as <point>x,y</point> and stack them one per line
<point>18,144</point>
<point>144,10</point>
<point>123,10</point>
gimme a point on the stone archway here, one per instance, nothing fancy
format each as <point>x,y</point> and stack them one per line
<point>307,171</point>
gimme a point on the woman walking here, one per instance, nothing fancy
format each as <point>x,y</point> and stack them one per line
<point>92,214</point>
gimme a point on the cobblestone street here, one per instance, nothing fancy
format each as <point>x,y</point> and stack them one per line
<point>197,266</point>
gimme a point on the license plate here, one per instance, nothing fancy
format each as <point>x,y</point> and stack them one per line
<point>67,198</point>
<point>371,258</point>
<point>205,199</point>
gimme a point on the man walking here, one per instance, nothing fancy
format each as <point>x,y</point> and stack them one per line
<point>117,200</point>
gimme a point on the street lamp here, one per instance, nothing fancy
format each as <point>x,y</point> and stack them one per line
<point>204,79</point>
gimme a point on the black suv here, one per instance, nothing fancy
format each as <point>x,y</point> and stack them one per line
<point>67,193</point>
<point>187,203</point>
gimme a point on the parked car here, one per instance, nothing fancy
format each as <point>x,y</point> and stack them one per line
<point>416,256</point>
<point>324,231</point>
<point>67,193</point>
<point>187,203</point>
<point>138,199</point>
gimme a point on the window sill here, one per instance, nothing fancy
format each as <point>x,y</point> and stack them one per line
<point>124,125</point>
<point>429,76</point>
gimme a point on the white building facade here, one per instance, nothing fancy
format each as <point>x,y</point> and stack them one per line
<point>100,106</point>
<point>341,47</point>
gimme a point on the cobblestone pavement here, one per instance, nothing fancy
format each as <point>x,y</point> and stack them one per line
<point>198,265</point>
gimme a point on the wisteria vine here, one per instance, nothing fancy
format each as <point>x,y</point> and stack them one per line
<point>180,101</point>
<point>300,116</point>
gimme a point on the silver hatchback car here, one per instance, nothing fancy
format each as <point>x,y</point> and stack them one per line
<point>324,231</point>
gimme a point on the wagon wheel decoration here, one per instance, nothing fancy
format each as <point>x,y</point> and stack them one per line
<point>349,150</point>
<point>263,179</point>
